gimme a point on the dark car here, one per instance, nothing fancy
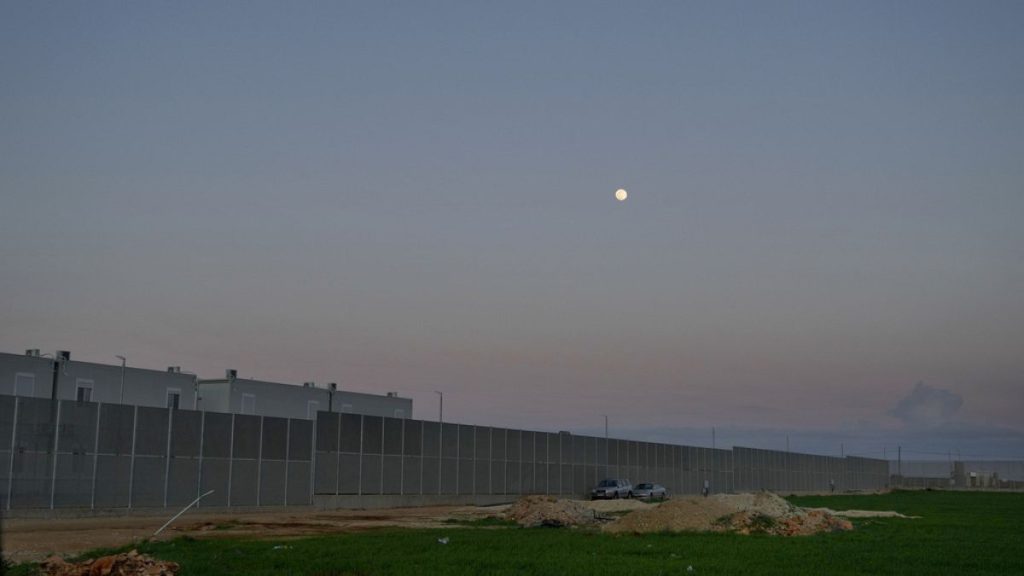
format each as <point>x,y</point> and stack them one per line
<point>612,488</point>
<point>649,491</point>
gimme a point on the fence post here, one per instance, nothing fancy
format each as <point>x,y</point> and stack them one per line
<point>401,483</point>
<point>440,454</point>
<point>56,446</point>
<point>96,455</point>
<point>167,454</point>
<point>131,468</point>
<point>359,488</point>
<point>312,460</point>
<point>231,457</point>
<point>337,467</point>
<point>259,465</point>
<point>202,436</point>
<point>458,458</point>
<point>287,454</point>
<point>14,445</point>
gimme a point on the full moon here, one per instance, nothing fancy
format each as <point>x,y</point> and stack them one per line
<point>621,194</point>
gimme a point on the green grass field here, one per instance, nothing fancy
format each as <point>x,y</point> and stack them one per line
<point>959,533</point>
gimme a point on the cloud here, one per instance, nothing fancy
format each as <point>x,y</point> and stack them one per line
<point>927,406</point>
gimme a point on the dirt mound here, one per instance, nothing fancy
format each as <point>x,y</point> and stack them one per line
<point>129,564</point>
<point>548,511</point>
<point>740,513</point>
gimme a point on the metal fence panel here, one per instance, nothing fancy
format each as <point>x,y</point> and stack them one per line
<point>273,478</point>
<point>244,485</point>
<point>216,436</point>
<point>300,440</point>
<point>348,470</point>
<point>431,439</point>
<point>299,481</point>
<point>465,476</point>
<point>351,433</point>
<point>392,442</point>
<point>370,481</point>
<point>326,479</point>
<point>186,430</point>
<point>392,474</point>
<point>411,475</point>
<point>148,481</point>
<point>215,474</point>
<point>182,481</point>
<point>373,434</point>
<point>449,474</point>
<point>412,443</point>
<point>73,486</point>
<point>328,428</point>
<point>112,473</point>
<point>246,437</point>
<point>431,476</point>
<point>151,431</point>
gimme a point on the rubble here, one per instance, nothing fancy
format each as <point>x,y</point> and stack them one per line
<point>127,564</point>
<point>533,511</point>
<point>762,513</point>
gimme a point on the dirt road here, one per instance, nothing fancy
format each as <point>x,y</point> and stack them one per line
<point>35,539</point>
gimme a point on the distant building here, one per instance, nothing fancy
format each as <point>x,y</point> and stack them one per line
<point>34,375</point>
<point>243,396</point>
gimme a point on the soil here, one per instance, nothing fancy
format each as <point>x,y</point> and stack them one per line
<point>128,564</point>
<point>37,539</point>
<point>739,513</point>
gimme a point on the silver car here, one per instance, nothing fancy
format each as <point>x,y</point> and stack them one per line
<point>649,491</point>
<point>612,488</point>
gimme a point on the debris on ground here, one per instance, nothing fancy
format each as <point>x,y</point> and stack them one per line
<point>863,513</point>
<point>128,564</point>
<point>531,511</point>
<point>763,513</point>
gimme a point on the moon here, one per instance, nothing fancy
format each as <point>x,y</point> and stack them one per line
<point>621,194</point>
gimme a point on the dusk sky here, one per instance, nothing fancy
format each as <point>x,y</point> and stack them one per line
<point>826,207</point>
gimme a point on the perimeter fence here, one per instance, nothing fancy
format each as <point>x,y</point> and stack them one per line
<point>70,454</point>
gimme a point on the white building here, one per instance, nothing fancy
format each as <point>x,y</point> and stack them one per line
<point>35,375</point>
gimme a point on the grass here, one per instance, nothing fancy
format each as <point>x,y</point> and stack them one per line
<point>958,533</point>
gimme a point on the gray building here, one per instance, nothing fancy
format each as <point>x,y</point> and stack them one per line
<point>244,396</point>
<point>34,375</point>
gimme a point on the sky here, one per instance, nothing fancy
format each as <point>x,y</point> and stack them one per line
<point>823,236</point>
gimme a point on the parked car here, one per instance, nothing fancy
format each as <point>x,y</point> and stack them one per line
<point>649,491</point>
<point>612,488</point>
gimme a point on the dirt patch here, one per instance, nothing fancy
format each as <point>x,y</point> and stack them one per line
<point>129,564</point>
<point>740,513</point>
<point>533,511</point>
<point>863,513</point>
<point>36,539</point>
<point>622,505</point>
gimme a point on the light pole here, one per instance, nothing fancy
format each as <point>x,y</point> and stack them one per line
<point>440,407</point>
<point>123,362</point>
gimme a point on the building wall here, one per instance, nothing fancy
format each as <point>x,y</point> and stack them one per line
<point>371,404</point>
<point>141,387</point>
<point>292,401</point>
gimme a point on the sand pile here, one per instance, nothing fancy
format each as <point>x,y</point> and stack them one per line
<point>740,513</point>
<point>129,564</point>
<point>548,511</point>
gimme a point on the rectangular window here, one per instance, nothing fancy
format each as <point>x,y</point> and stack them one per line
<point>312,407</point>
<point>173,398</point>
<point>83,390</point>
<point>24,384</point>
<point>248,403</point>
<point>399,413</point>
